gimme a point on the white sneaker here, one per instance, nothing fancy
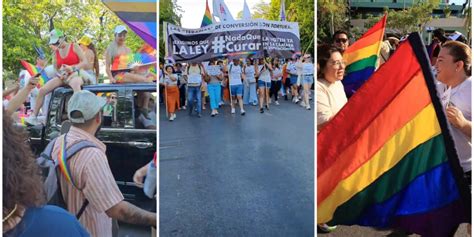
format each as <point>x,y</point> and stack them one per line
<point>276,102</point>
<point>308,107</point>
<point>293,100</point>
<point>32,120</point>
<point>171,117</point>
<point>242,112</point>
<point>297,100</point>
<point>184,107</point>
<point>232,111</point>
<point>174,116</point>
<point>303,104</point>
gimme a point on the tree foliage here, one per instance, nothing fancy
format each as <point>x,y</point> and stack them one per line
<point>27,23</point>
<point>169,12</point>
<point>332,16</point>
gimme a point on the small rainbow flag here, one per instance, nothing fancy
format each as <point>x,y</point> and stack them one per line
<point>361,57</point>
<point>33,70</point>
<point>207,19</point>
<point>388,159</point>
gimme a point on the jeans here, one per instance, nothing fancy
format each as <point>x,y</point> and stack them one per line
<point>214,91</point>
<point>250,93</point>
<point>194,92</point>
<point>274,89</point>
<point>182,95</point>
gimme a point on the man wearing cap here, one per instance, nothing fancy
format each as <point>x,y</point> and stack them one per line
<point>68,60</point>
<point>91,177</point>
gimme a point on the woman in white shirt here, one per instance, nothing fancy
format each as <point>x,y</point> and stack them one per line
<point>250,87</point>
<point>172,92</point>
<point>276,80</point>
<point>263,72</point>
<point>236,76</point>
<point>330,91</point>
<point>307,76</point>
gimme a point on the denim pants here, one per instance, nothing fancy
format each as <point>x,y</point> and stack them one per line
<point>214,91</point>
<point>250,93</point>
<point>194,92</point>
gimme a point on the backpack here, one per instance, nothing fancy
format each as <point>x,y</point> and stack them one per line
<point>50,171</point>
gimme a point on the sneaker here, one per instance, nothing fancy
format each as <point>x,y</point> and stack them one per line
<point>261,110</point>
<point>308,107</point>
<point>221,103</point>
<point>32,120</point>
<point>174,116</point>
<point>213,114</point>
<point>297,101</point>
<point>232,111</point>
<point>171,118</point>
<point>276,102</point>
<point>267,107</point>
<point>242,112</point>
<point>199,115</point>
<point>184,107</point>
<point>303,104</point>
<point>324,228</point>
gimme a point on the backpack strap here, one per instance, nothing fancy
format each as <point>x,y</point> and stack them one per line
<point>48,151</point>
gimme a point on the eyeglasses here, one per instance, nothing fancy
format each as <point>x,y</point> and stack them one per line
<point>342,40</point>
<point>338,64</point>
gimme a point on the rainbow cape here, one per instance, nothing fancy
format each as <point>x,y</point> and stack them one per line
<point>387,159</point>
<point>361,57</point>
<point>139,15</point>
<point>207,18</point>
<point>33,70</point>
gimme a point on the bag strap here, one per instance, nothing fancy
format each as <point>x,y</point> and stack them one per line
<point>48,151</point>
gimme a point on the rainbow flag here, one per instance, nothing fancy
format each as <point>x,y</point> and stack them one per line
<point>128,61</point>
<point>387,159</point>
<point>207,19</point>
<point>139,15</point>
<point>33,70</point>
<point>361,57</point>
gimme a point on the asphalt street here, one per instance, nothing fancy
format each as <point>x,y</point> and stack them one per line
<point>235,175</point>
<point>359,231</point>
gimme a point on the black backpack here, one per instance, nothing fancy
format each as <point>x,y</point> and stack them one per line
<point>50,172</point>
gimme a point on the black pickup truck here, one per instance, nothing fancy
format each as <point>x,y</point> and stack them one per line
<point>129,144</point>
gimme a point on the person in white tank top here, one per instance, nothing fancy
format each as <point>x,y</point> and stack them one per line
<point>263,73</point>
<point>236,77</point>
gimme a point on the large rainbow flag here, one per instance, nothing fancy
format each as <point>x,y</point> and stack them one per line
<point>139,15</point>
<point>361,57</point>
<point>387,159</point>
<point>207,18</point>
<point>33,70</point>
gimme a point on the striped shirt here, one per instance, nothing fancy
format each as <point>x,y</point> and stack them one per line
<point>91,173</point>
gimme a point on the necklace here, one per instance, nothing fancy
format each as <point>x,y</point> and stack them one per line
<point>10,214</point>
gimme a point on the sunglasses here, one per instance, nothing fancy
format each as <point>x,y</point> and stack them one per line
<point>341,40</point>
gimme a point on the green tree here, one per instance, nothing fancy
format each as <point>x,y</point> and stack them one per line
<point>332,16</point>
<point>27,23</point>
<point>169,12</point>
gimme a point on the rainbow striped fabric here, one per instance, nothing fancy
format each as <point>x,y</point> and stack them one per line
<point>128,61</point>
<point>207,19</point>
<point>139,15</point>
<point>33,70</point>
<point>387,158</point>
<point>361,57</point>
<point>63,167</point>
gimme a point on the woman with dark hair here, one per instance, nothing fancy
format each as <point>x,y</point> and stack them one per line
<point>24,210</point>
<point>214,79</point>
<point>250,87</point>
<point>454,71</point>
<point>91,55</point>
<point>330,91</point>
<point>263,72</point>
<point>276,80</point>
<point>172,91</point>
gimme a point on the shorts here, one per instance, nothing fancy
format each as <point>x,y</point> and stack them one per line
<point>86,78</point>
<point>237,90</point>
<point>293,80</point>
<point>307,79</point>
<point>264,84</point>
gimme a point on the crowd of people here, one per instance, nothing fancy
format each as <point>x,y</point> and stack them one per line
<point>451,61</point>
<point>93,201</point>
<point>238,82</point>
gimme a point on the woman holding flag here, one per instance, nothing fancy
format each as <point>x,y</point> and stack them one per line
<point>68,60</point>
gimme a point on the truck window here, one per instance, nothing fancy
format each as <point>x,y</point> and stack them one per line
<point>145,109</point>
<point>109,112</point>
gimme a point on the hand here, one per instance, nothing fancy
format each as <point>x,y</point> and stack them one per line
<point>32,83</point>
<point>112,80</point>
<point>455,117</point>
<point>140,175</point>
<point>67,68</point>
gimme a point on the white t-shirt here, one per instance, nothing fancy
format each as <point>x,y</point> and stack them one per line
<point>308,69</point>
<point>170,82</point>
<point>291,68</point>
<point>249,73</point>
<point>235,74</point>
<point>277,71</point>
<point>330,98</point>
<point>194,75</point>
<point>459,97</point>
<point>264,74</point>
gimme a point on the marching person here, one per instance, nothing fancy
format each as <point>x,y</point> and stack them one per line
<point>172,92</point>
<point>250,88</point>
<point>215,77</point>
<point>236,77</point>
<point>263,70</point>
<point>293,76</point>
<point>194,74</point>
<point>307,80</point>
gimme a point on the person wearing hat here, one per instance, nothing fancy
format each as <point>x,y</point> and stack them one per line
<point>91,174</point>
<point>88,48</point>
<point>68,60</point>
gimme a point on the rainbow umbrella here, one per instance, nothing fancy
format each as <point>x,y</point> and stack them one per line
<point>33,70</point>
<point>139,15</point>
